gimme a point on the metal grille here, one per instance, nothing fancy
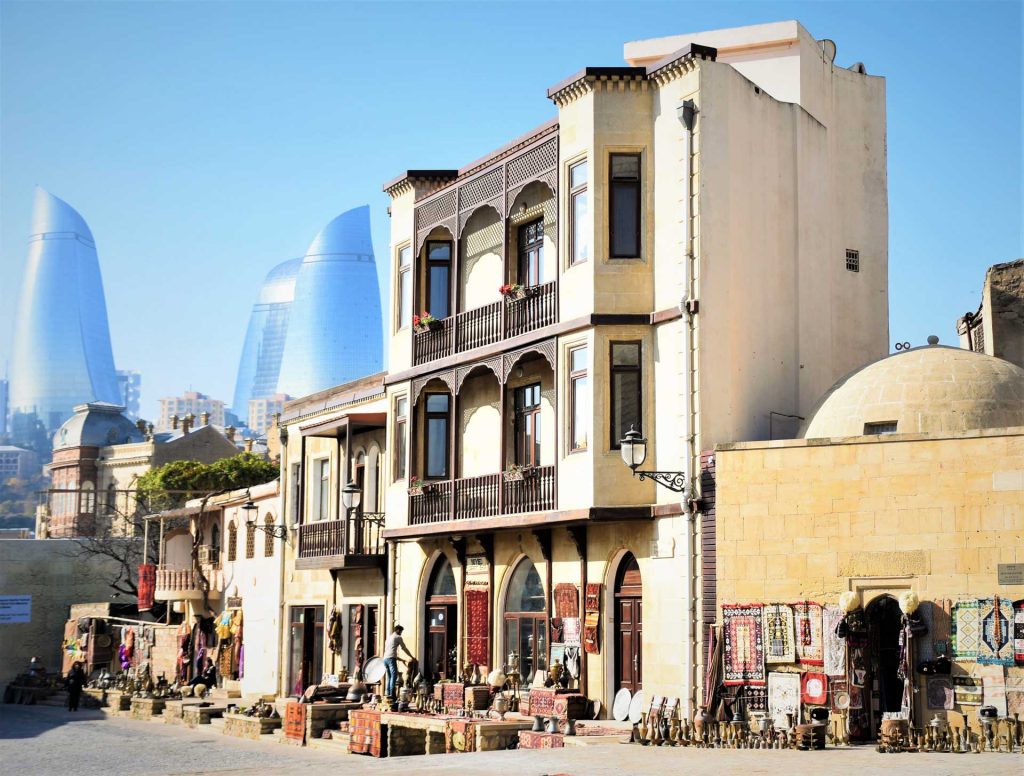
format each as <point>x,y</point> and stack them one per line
<point>250,540</point>
<point>882,427</point>
<point>978,336</point>
<point>852,260</point>
<point>531,164</point>
<point>480,189</point>
<point>430,213</point>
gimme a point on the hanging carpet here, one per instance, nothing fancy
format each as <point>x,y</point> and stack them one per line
<point>743,645</point>
<point>778,634</point>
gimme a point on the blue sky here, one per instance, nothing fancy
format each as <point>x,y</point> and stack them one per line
<point>205,143</point>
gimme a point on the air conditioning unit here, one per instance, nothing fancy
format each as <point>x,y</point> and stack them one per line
<point>209,555</point>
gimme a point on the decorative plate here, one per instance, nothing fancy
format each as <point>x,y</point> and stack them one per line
<point>636,707</point>
<point>841,700</point>
<point>620,705</point>
<point>374,670</point>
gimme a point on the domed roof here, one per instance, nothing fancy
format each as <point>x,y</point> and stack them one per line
<point>96,424</point>
<point>927,389</point>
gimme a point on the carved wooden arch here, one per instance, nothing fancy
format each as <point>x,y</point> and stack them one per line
<point>448,378</point>
<point>549,179</point>
<point>462,372</point>
<point>496,204</point>
<point>545,349</point>
<point>450,225</point>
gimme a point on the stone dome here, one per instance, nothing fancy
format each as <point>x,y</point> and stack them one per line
<point>96,424</point>
<point>926,389</point>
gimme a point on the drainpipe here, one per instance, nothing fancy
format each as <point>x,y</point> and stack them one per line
<point>687,113</point>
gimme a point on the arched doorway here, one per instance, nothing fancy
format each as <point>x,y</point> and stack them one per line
<point>629,625</point>
<point>526,620</point>
<point>884,620</point>
<point>441,616</point>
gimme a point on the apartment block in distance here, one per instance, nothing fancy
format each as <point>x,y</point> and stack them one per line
<point>694,248</point>
<point>189,403</point>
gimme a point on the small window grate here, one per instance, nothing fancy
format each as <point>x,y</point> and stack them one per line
<point>978,336</point>
<point>852,260</point>
<point>882,427</point>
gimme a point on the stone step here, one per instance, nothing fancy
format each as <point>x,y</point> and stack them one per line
<point>217,723</point>
<point>569,741</point>
<point>337,743</point>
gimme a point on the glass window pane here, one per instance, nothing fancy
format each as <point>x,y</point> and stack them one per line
<point>526,649</point>
<point>525,592</point>
<point>437,304</point>
<point>444,580</point>
<point>439,251</point>
<point>626,166</point>
<point>437,402</point>
<point>625,220</point>
<point>401,406</point>
<point>626,354</point>
<point>578,360</point>
<point>511,639</point>
<point>625,403</point>
<point>580,413</point>
<point>404,298</point>
<point>578,175</point>
<point>405,256</point>
<point>580,228</point>
<point>437,447</point>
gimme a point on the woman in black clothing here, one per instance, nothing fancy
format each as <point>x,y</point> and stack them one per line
<point>74,682</point>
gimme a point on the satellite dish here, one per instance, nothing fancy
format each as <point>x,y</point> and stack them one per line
<point>858,67</point>
<point>828,48</point>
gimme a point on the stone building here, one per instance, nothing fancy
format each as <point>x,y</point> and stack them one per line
<point>681,250</point>
<point>98,454</point>
<point>908,476</point>
<point>997,328</point>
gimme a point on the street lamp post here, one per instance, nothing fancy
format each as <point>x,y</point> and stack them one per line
<point>351,497</point>
<point>250,509</point>
<point>633,448</point>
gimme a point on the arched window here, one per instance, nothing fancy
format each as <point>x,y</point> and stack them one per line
<point>215,542</point>
<point>441,617</point>
<point>111,499</point>
<point>88,498</point>
<point>268,536</point>
<point>250,540</point>
<point>526,621</point>
<point>232,542</point>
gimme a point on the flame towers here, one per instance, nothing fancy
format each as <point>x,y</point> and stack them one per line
<point>62,354</point>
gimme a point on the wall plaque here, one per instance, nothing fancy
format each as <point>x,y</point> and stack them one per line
<point>1011,574</point>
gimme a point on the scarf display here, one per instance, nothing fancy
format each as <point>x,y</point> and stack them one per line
<point>834,647</point>
<point>966,630</point>
<point>147,586</point>
<point>778,634</point>
<point>334,631</point>
<point>1018,632</point>
<point>995,642</point>
<point>808,618</point>
<point>743,645</point>
<point>783,697</point>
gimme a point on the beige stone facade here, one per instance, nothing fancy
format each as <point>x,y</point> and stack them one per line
<point>997,327</point>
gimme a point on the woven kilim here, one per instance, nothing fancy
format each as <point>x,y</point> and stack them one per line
<point>778,634</point>
<point>809,644</point>
<point>940,693</point>
<point>968,690</point>
<point>966,630</point>
<point>478,649</point>
<point>783,697</point>
<point>567,600</point>
<point>1018,632</point>
<point>995,647</point>
<point>743,646</point>
<point>834,647</point>
<point>755,698</point>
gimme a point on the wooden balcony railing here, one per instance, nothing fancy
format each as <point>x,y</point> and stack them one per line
<point>487,325</point>
<point>479,497</point>
<point>178,584</point>
<point>359,534</point>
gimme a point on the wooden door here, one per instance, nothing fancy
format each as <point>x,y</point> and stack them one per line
<point>629,626</point>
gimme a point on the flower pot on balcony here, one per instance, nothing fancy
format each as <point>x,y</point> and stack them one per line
<point>513,475</point>
<point>416,490</point>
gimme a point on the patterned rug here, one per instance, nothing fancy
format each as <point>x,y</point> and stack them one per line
<point>940,693</point>
<point>1018,632</point>
<point>834,647</point>
<point>783,696</point>
<point>778,634</point>
<point>995,647</point>
<point>755,698</point>
<point>966,630</point>
<point>814,688</point>
<point>592,618</point>
<point>1015,695</point>
<point>808,618</point>
<point>743,645</point>
<point>478,649</point>
<point>967,690</point>
<point>567,600</point>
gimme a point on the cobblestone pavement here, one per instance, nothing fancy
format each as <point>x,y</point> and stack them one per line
<point>39,741</point>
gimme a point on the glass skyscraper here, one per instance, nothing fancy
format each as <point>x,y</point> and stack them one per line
<point>62,354</point>
<point>332,332</point>
<point>260,365</point>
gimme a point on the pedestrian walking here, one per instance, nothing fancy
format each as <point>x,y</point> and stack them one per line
<point>74,682</point>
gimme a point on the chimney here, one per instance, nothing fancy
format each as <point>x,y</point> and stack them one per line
<point>248,445</point>
<point>229,432</point>
<point>149,431</point>
<point>141,426</point>
<point>204,419</point>
<point>174,422</point>
<point>186,423</point>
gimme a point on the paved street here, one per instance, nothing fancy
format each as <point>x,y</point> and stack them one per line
<point>39,741</point>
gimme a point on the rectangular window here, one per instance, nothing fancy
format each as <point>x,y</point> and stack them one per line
<point>579,400</point>
<point>624,206</point>
<point>404,286</point>
<point>323,492</point>
<point>852,260</point>
<point>401,438</point>
<point>296,492</point>
<point>527,425</point>
<point>626,403</point>
<point>531,252</point>
<point>437,438</point>
<point>439,266</point>
<point>882,427</point>
<point>579,212</point>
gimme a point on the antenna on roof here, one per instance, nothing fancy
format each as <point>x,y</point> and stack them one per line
<point>828,48</point>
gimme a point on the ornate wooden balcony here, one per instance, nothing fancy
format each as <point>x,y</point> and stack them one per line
<point>185,584</point>
<point>538,307</point>
<point>484,496</point>
<point>354,542</point>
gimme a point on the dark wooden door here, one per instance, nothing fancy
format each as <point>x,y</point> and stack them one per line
<point>629,626</point>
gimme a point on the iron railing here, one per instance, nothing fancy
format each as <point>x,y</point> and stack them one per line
<point>358,534</point>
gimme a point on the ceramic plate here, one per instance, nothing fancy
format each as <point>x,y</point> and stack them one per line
<point>620,706</point>
<point>636,707</point>
<point>841,700</point>
<point>374,670</point>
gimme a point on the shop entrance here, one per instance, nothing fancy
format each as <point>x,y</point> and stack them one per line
<point>629,625</point>
<point>884,620</point>
<point>306,665</point>
<point>441,616</point>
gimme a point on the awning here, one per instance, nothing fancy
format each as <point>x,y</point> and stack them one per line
<point>357,420</point>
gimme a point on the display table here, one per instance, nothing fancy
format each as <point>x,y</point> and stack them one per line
<point>173,710</point>
<point>242,726</point>
<point>409,734</point>
<point>118,700</point>
<point>195,714</point>
<point>147,708</point>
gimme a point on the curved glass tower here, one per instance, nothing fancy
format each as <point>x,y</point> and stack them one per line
<point>62,354</point>
<point>260,367</point>
<point>334,331</point>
